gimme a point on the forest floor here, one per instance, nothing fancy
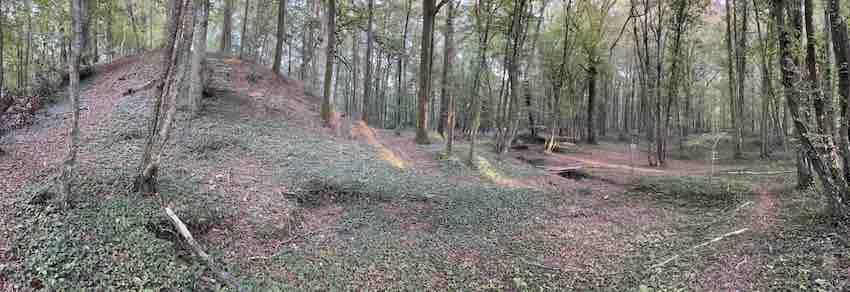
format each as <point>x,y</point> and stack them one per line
<point>283,203</point>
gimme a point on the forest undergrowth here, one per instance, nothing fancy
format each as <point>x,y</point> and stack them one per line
<point>285,206</point>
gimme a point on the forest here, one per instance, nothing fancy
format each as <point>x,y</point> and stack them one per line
<point>426,145</point>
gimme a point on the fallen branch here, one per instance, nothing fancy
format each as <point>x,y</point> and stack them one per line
<point>181,228</point>
<point>747,172</point>
<point>716,239</point>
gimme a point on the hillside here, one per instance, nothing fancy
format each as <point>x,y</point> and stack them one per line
<point>282,203</point>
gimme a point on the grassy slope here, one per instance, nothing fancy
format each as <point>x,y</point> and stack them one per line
<point>246,186</point>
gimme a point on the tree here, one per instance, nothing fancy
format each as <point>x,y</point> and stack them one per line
<point>199,52</point>
<point>227,27</point>
<point>447,115</point>
<point>508,122</point>
<point>429,12</point>
<point>74,96</point>
<point>328,101</point>
<point>482,27</point>
<point>367,77</point>
<point>243,37</point>
<point>730,69</point>
<point>766,87</point>
<point>281,35</point>
<point>400,88</point>
<point>177,42</point>
<point>742,10</point>
<point>558,79</point>
<point>818,148</point>
<point>134,24</point>
<point>2,48</point>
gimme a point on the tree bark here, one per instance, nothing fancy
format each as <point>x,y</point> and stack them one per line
<point>824,157</point>
<point>766,88</point>
<point>367,77</point>
<point>447,123</point>
<point>429,11</point>
<point>400,86</point>
<point>328,101</point>
<point>811,67</point>
<point>732,64</point>
<point>281,35</point>
<point>196,86</point>
<point>227,28</point>
<point>2,48</point>
<point>134,23</point>
<point>741,69</point>
<point>591,102</point>
<point>483,44</point>
<point>558,82</point>
<point>74,93</point>
<point>841,47</point>
<point>243,37</point>
<point>177,42</point>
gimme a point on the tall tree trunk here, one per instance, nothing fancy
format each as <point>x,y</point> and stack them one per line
<point>401,88</point>
<point>328,101</point>
<point>355,75</point>
<point>483,44</point>
<point>591,102</point>
<point>517,39</point>
<point>828,85</point>
<point>196,86</point>
<point>732,64</point>
<point>281,35</point>
<point>74,95</point>
<point>429,11</point>
<point>367,77</point>
<point>243,37</point>
<point>841,47</point>
<point>110,38</point>
<point>2,48</point>
<point>766,88</point>
<point>823,158</point>
<point>796,96</point>
<point>558,83</point>
<point>811,67</point>
<point>447,123</point>
<point>137,39</point>
<point>742,10</point>
<point>227,28</point>
<point>177,42</point>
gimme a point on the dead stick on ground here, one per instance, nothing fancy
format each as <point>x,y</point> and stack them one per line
<point>744,172</point>
<point>716,239</point>
<point>224,276</point>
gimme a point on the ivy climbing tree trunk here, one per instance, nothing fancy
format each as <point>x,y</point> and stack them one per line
<point>176,48</point>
